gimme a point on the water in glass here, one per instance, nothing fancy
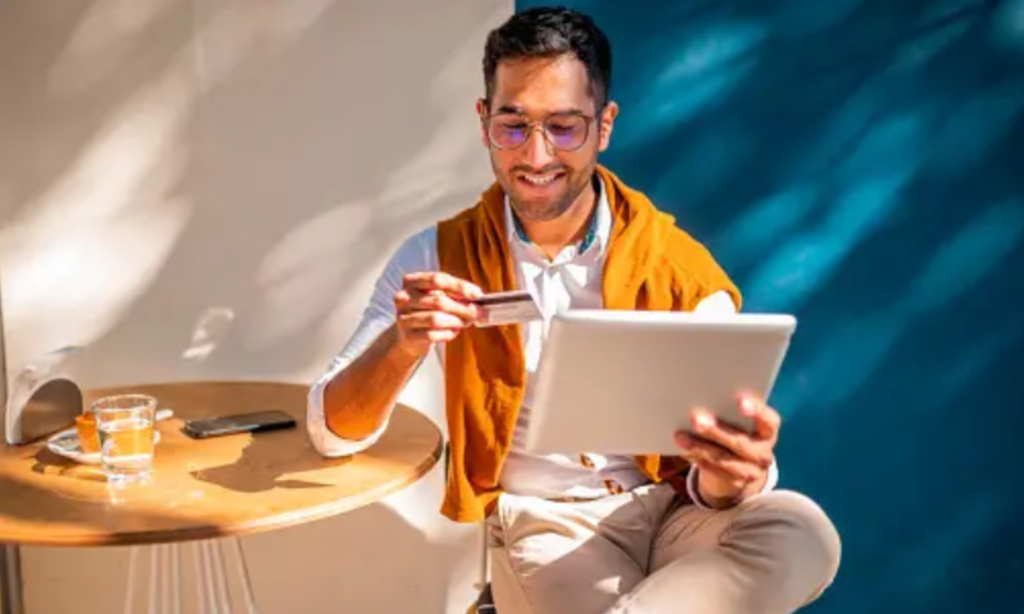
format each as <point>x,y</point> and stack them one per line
<point>125,426</point>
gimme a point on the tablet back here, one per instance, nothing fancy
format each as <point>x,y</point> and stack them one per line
<point>623,382</point>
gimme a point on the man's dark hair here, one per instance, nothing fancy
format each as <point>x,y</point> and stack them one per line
<point>549,32</point>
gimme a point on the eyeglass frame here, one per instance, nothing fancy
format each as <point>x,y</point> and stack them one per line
<point>532,125</point>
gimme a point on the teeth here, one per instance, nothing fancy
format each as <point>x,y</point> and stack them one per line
<point>540,179</point>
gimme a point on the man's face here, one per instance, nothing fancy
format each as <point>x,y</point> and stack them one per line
<point>543,179</point>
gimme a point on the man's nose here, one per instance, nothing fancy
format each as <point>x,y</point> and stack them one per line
<point>539,152</point>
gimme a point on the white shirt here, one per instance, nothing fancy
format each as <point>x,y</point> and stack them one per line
<point>572,280</point>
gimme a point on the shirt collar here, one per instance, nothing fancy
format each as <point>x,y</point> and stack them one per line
<point>598,230</point>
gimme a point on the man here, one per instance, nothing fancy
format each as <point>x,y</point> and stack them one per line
<point>702,533</point>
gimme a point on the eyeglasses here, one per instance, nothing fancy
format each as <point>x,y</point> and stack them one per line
<point>563,132</point>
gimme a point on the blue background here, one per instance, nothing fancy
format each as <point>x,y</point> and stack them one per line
<point>860,163</point>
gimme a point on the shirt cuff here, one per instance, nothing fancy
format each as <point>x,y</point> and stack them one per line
<point>324,440</point>
<point>691,485</point>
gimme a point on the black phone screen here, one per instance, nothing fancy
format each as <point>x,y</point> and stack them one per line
<point>240,423</point>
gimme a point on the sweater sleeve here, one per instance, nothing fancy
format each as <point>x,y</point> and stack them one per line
<point>701,276</point>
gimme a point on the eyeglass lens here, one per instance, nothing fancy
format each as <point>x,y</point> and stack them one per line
<point>565,132</point>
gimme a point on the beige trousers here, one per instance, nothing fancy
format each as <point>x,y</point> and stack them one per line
<point>645,552</point>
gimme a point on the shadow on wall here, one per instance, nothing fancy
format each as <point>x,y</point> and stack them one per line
<point>207,189</point>
<point>210,188</point>
<point>858,163</point>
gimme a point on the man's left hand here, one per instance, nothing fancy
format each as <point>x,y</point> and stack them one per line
<point>732,465</point>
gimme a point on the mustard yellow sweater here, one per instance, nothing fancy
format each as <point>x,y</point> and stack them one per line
<point>650,264</point>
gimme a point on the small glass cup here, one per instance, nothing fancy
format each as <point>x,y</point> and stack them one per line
<point>125,424</point>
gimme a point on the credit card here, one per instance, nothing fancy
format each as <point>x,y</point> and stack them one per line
<point>513,307</point>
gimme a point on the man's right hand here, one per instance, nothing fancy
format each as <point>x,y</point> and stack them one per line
<point>433,307</point>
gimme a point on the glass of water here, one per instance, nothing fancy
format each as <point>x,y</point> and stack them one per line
<point>125,426</point>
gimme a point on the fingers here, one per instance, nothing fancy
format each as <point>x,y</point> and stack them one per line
<point>734,482</point>
<point>421,329</point>
<point>731,460</point>
<point>410,301</point>
<point>425,282</point>
<point>715,459</point>
<point>767,421</point>
<point>431,308</point>
<point>431,320</point>
<point>732,441</point>
<point>439,335</point>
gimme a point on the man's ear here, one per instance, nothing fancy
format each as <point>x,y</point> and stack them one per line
<point>482,108</point>
<point>607,122</point>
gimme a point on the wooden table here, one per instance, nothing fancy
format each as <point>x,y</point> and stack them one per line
<point>215,488</point>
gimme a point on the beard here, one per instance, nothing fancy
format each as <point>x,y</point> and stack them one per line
<point>571,183</point>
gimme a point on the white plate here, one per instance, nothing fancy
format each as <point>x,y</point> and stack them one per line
<point>66,444</point>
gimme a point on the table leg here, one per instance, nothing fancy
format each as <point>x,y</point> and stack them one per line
<point>246,581</point>
<point>10,580</point>
<point>212,574</point>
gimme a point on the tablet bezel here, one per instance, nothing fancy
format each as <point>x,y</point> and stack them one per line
<point>558,419</point>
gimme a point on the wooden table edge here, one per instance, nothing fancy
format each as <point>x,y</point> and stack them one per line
<point>282,521</point>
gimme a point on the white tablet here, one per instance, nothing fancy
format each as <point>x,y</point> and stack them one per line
<point>623,382</point>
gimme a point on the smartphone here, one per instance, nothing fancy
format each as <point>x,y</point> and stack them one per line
<point>252,422</point>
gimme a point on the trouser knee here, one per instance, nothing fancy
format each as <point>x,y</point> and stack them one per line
<point>798,538</point>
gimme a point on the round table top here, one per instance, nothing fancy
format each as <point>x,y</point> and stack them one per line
<point>230,485</point>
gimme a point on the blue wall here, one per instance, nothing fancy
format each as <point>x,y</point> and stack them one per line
<point>861,163</point>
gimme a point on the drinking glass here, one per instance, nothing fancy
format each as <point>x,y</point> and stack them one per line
<point>125,425</point>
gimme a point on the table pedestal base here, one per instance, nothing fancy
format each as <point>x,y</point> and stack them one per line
<point>214,588</point>
<point>162,590</point>
<point>10,580</point>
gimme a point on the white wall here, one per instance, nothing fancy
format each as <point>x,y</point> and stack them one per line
<point>207,190</point>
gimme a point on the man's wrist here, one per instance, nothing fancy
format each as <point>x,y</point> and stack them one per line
<point>724,498</point>
<point>707,497</point>
<point>412,353</point>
